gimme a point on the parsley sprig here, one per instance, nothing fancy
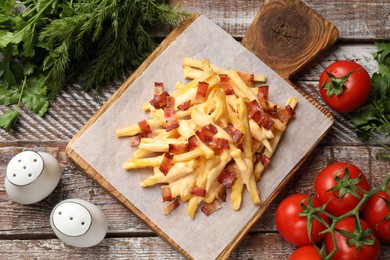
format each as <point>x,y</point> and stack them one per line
<point>373,119</point>
<point>46,43</point>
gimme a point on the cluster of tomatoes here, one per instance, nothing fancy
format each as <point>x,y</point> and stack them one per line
<point>344,212</point>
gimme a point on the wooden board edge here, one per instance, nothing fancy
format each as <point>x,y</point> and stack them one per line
<point>322,109</point>
<point>235,242</point>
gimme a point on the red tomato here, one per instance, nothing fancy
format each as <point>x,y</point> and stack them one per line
<point>326,180</point>
<point>348,252</point>
<point>305,253</point>
<point>293,227</point>
<point>351,91</point>
<point>375,213</point>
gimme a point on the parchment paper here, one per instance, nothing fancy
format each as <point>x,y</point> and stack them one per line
<point>204,237</point>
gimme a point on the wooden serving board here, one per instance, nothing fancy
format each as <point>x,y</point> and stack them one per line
<point>285,35</point>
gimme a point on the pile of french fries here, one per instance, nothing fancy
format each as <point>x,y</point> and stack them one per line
<point>202,166</point>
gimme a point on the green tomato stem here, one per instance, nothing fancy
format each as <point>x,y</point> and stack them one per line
<point>354,212</point>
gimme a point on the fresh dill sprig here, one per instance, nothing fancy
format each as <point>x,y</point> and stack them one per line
<point>109,38</point>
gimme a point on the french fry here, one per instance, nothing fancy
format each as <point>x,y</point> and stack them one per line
<point>214,132</point>
<point>247,176</point>
<point>192,63</point>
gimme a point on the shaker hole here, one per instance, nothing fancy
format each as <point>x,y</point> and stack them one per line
<point>29,175</point>
<point>59,213</point>
<point>35,160</point>
<point>14,175</point>
<point>71,218</point>
<point>83,223</point>
<point>24,167</point>
<point>19,160</point>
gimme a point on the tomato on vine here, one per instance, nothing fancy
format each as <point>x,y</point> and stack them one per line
<point>377,214</point>
<point>292,216</point>
<point>305,253</point>
<point>354,240</point>
<point>339,186</point>
<point>345,86</point>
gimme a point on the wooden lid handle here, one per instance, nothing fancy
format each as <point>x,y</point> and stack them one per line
<point>287,34</point>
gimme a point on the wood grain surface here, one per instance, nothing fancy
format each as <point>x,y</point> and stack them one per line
<point>25,230</point>
<point>287,35</point>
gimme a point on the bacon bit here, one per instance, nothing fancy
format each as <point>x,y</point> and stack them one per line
<point>211,128</point>
<point>221,194</point>
<point>166,163</point>
<point>285,114</point>
<point>201,92</point>
<point>192,143</point>
<point>158,88</point>
<point>248,78</point>
<point>262,92</point>
<point>219,143</point>
<point>217,151</point>
<point>134,140</point>
<point>272,110</point>
<point>210,208</point>
<point>160,101</point>
<point>234,133</point>
<point>253,108</point>
<point>198,191</point>
<point>184,106</point>
<point>226,84</point>
<point>170,102</point>
<point>228,175</point>
<point>147,135</point>
<point>267,122</point>
<point>170,114</point>
<point>259,115</point>
<point>171,206</point>
<point>264,159</point>
<point>144,126</point>
<point>178,148</point>
<point>166,193</point>
<point>206,133</point>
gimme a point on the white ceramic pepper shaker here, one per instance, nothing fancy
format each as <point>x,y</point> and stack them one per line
<point>31,176</point>
<point>78,223</point>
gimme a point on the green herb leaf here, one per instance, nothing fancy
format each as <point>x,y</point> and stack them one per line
<point>373,118</point>
<point>8,119</point>
<point>9,96</point>
<point>34,97</point>
<point>5,38</point>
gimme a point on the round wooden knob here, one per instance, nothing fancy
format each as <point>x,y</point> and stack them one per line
<point>287,34</point>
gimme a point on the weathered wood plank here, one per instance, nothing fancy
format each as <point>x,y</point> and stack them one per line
<point>254,246</point>
<point>272,246</point>
<point>356,20</point>
<point>27,220</point>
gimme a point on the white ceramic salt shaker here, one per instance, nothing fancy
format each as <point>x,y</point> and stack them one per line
<point>78,223</point>
<point>31,176</point>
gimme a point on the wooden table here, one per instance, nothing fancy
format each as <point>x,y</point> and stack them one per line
<point>25,230</point>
